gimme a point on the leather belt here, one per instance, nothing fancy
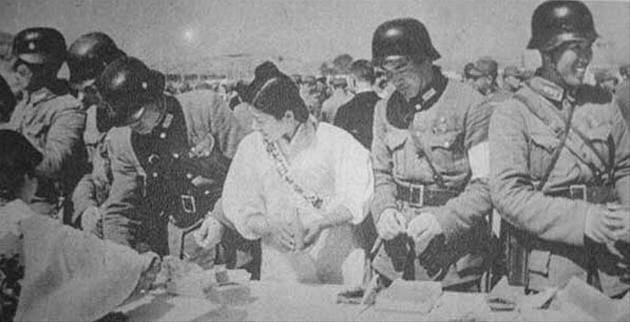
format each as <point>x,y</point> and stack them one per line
<point>592,194</point>
<point>418,195</point>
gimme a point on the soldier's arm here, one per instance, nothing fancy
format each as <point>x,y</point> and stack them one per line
<point>468,209</point>
<point>124,198</point>
<point>621,138</point>
<point>225,127</point>
<point>382,164</point>
<point>83,197</point>
<point>65,138</point>
<point>512,187</point>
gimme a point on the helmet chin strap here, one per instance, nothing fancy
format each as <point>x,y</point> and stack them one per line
<point>550,71</point>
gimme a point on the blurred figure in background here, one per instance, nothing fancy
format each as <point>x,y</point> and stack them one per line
<point>607,80</point>
<point>512,78</point>
<point>482,75</point>
<point>340,95</point>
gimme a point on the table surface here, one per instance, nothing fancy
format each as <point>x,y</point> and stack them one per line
<point>301,302</point>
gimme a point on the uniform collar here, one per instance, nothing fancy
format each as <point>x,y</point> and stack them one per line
<point>425,99</point>
<point>550,90</point>
<point>40,95</point>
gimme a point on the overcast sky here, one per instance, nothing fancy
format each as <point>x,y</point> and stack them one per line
<point>164,32</point>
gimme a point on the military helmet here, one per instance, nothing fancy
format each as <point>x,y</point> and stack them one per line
<point>89,55</point>
<point>40,45</point>
<point>402,37</point>
<point>557,22</point>
<point>126,85</point>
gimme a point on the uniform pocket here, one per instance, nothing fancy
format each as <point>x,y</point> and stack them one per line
<point>542,148</point>
<point>448,152</point>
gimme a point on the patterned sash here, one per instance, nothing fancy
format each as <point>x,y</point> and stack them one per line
<point>282,167</point>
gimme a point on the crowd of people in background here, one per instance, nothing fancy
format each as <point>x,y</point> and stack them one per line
<point>391,167</point>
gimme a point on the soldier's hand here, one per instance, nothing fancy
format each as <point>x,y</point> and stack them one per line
<point>621,217</point>
<point>390,224</point>
<point>209,234</point>
<point>91,220</point>
<point>203,148</point>
<point>422,229</point>
<point>602,226</point>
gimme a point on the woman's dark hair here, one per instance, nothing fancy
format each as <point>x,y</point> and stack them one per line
<point>17,158</point>
<point>278,95</point>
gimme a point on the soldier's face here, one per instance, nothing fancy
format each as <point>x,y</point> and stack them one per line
<point>408,76</point>
<point>88,95</point>
<point>146,119</point>
<point>571,61</point>
<point>22,77</point>
<point>482,84</point>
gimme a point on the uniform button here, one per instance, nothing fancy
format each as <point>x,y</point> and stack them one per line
<point>154,174</point>
<point>176,155</point>
<point>162,135</point>
<point>207,192</point>
<point>189,175</point>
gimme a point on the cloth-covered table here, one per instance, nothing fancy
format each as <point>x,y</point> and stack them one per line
<point>302,302</point>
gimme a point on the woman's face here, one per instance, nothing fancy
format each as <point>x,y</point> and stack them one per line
<point>571,61</point>
<point>270,127</point>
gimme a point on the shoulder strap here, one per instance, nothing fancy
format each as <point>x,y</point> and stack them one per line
<point>437,176</point>
<point>282,167</point>
<point>575,139</point>
<point>563,138</point>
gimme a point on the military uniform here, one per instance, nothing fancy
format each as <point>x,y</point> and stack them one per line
<point>54,124</point>
<point>552,220</point>
<point>447,121</point>
<point>142,195</point>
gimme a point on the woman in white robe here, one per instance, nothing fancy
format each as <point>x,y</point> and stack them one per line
<point>300,186</point>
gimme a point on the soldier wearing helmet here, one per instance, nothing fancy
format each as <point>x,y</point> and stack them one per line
<point>48,115</point>
<point>428,158</point>
<point>87,58</point>
<point>560,160</point>
<point>169,156</point>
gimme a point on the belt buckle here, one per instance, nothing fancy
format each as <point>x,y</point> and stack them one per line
<point>188,204</point>
<point>420,193</point>
<point>578,192</point>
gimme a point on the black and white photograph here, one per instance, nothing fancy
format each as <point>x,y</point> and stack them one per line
<point>314,160</point>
